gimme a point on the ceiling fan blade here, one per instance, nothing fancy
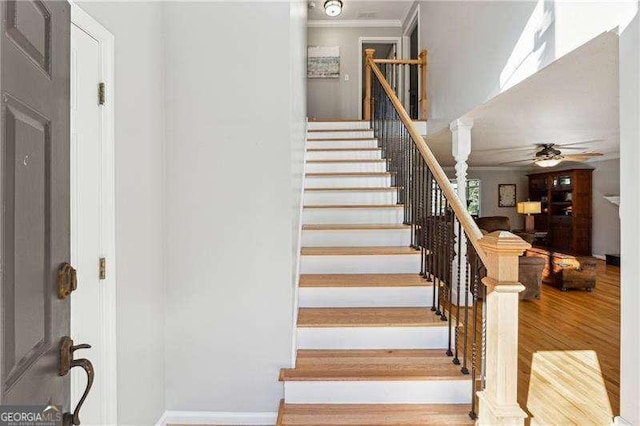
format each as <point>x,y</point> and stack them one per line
<point>511,148</point>
<point>562,145</point>
<point>585,155</point>
<point>516,162</point>
<point>581,158</point>
<point>564,148</point>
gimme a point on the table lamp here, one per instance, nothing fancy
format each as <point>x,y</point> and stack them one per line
<point>529,208</point>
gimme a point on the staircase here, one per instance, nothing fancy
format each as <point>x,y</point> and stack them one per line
<point>370,349</point>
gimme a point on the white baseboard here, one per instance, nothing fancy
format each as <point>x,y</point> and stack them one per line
<point>619,421</point>
<point>600,256</point>
<point>216,418</point>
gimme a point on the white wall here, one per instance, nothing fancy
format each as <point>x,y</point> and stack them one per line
<point>231,202</point>
<point>490,178</point>
<point>337,98</point>
<point>630,205</point>
<point>479,49</point>
<point>606,216</point>
<point>137,28</point>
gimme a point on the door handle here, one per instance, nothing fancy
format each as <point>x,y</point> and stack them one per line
<point>66,364</point>
<point>67,280</point>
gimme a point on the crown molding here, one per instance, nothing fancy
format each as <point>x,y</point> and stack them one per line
<point>354,23</point>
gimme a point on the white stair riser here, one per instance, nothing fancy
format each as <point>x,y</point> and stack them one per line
<point>344,181</point>
<point>378,392</point>
<point>341,134</point>
<point>345,155</point>
<point>387,215</point>
<point>372,264</point>
<point>343,143</point>
<point>346,167</point>
<point>356,238</point>
<point>339,125</point>
<point>348,198</point>
<point>364,297</point>
<point>434,337</point>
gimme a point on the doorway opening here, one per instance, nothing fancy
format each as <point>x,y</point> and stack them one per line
<point>411,41</point>
<point>385,48</point>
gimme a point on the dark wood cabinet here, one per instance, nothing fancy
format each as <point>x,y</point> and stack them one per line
<point>566,209</point>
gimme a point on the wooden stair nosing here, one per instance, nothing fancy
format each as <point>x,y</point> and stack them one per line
<point>372,365</point>
<point>360,251</point>
<point>337,130</point>
<point>367,317</point>
<point>376,415</point>
<point>342,149</point>
<point>355,227</point>
<point>354,206</point>
<point>355,189</point>
<point>347,174</point>
<point>362,280</point>
<point>348,160</point>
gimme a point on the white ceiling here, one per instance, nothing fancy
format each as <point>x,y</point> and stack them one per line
<point>361,10</point>
<point>574,100</point>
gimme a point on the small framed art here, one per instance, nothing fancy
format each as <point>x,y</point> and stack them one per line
<point>506,195</point>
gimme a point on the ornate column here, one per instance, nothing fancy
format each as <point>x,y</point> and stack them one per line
<point>499,400</point>
<point>460,148</point>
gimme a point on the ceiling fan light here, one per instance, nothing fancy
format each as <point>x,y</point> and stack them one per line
<point>550,162</point>
<point>333,7</point>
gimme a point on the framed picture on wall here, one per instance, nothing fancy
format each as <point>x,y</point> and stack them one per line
<point>507,195</point>
<point>323,62</point>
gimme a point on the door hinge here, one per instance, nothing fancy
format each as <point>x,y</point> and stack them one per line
<point>103,268</point>
<point>101,93</point>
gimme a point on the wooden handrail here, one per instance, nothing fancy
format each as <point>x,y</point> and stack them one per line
<point>468,224</point>
<point>399,61</point>
<point>421,62</point>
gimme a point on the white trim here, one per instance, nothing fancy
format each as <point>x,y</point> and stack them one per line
<point>395,23</point>
<point>216,418</point>
<point>410,16</point>
<point>109,402</point>
<point>372,39</point>
<point>599,256</point>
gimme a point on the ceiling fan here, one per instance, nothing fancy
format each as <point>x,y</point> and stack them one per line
<point>550,154</point>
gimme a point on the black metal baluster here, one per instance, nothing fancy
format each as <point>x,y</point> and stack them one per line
<point>459,265</point>
<point>474,345</point>
<point>465,336</point>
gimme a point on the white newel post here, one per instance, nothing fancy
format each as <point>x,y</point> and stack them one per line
<point>460,148</point>
<point>498,402</point>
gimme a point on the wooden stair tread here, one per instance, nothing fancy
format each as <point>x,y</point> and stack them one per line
<point>356,189</point>
<point>343,139</point>
<point>347,161</point>
<point>337,130</point>
<point>342,149</point>
<point>368,365</point>
<point>368,317</point>
<point>348,174</point>
<point>363,280</point>
<point>354,206</point>
<point>358,251</point>
<point>375,415</point>
<point>354,226</point>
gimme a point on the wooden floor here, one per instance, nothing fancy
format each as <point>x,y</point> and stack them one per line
<point>571,322</point>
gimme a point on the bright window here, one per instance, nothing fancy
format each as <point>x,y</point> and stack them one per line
<point>473,195</point>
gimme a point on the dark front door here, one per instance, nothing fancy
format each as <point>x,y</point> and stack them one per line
<point>34,219</point>
<point>413,75</point>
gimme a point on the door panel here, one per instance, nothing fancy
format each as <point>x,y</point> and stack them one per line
<point>34,221</point>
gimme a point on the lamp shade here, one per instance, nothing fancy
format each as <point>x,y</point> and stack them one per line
<point>530,207</point>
